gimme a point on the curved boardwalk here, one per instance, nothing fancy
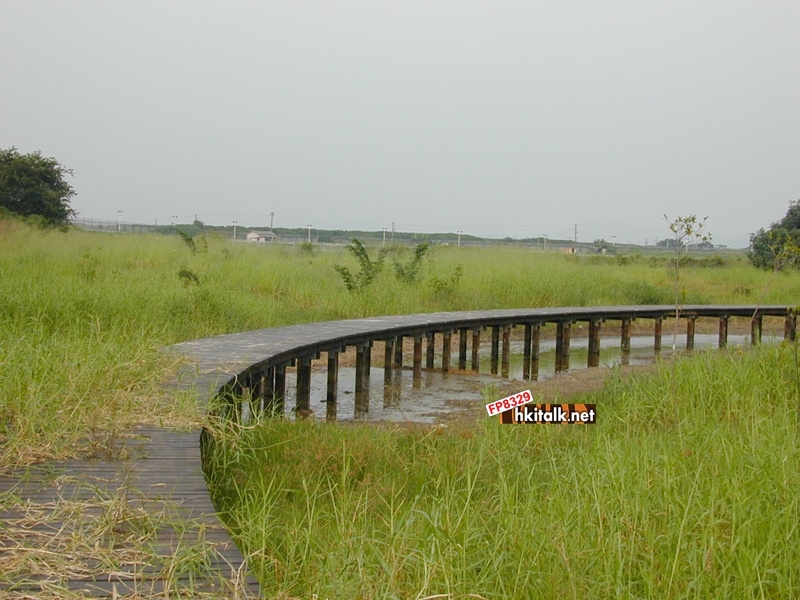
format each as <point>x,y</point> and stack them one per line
<point>250,367</point>
<point>155,495</point>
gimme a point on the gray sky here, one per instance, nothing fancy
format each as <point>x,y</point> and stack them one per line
<point>496,118</point>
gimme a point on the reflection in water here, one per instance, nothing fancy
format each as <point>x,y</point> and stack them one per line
<point>402,397</point>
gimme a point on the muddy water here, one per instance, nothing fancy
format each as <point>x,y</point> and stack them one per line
<point>437,394</point>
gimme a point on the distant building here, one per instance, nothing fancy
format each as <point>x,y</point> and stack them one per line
<point>261,236</point>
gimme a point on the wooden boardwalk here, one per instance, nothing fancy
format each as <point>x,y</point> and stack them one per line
<point>143,523</point>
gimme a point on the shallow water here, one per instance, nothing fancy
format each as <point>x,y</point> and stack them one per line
<point>436,394</point>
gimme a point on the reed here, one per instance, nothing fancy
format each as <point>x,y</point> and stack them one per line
<point>84,316</point>
<point>666,497</point>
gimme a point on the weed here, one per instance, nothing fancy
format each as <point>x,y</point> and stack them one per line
<point>369,269</point>
<point>408,272</point>
<point>188,277</point>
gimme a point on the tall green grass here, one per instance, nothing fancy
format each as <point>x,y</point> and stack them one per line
<point>686,488</point>
<point>83,316</point>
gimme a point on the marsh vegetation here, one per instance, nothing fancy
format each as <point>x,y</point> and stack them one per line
<point>686,489</point>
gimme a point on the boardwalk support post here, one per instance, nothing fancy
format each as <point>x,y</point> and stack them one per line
<point>430,349</point>
<point>562,345</point>
<point>303,383</point>
<point>625,341</point>
<point>397,363</point>
<point>594,343</point>
<point>495,348</point>
<point>266,389</point>
<point>505,357</point>
<point>462,348</point>
<point>657,336</point>
<point>476,346</point>
<point>331,395</point>
<point>723,331</point>
<point>417,365</point>
<point>536,334</point>
<point>279,391</point>
<point>690,327</point>
<point>388,360</point>
<point>790,327</point>
<point>526,352</point>
<point>446,350</point>
<point>362,366</point>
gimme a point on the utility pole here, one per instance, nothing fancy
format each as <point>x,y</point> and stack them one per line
<point>235,223</point>
<point>119,221</point>
<point>576,233</point>
<point>393,232</point>
<point>309,233</point>
<point>459,238</point>
<point>384,236</point>
<point>271,218</point>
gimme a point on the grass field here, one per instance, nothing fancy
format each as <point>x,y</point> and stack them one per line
<point>686,488</point>
<point>652,502</point>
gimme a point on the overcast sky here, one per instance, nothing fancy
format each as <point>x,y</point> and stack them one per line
<point>496,118</point>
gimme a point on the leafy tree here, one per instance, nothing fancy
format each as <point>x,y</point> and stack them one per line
<point>408,272</point>
<point>686,231</point>
<point>601,245</point>
<point>369,268</point>
<point>31,185</point>
<point>779,246</point>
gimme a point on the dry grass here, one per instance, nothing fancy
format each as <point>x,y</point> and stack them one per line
<point>110,536</point>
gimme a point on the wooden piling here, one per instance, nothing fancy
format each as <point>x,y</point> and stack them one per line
<point>690,327</point>
<point>723,331</point>
<point>430,349</point>
<point>417,365</point>
<point>267,387</point>
<point>397,363</point>
<point>562,346</point>
<point>506,354</point>
<point>303,383</point>
<point>462,349</point>
<point>790,327</point>
<point>526,352</point>
<point>625,340</point>
<point>362,367</point>
<point>495,348</point>
<point>659,323</point>
<point>536,334</point>
<point>331,395</point>
<point>446,350</point>
<point>279,390</point>
<point>594,343</point>
<point>476,345</point>
<point>388,360</point>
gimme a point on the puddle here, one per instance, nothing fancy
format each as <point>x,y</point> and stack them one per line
<point>436,394</point>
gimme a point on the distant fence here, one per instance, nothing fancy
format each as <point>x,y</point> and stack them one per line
<point>322,239</point>
<point>114,226</point>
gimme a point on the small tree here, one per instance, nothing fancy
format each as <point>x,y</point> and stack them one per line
<point>408,272</point>
<point>31,185</point>
<point>369,268</point>
<point>685,230</point>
